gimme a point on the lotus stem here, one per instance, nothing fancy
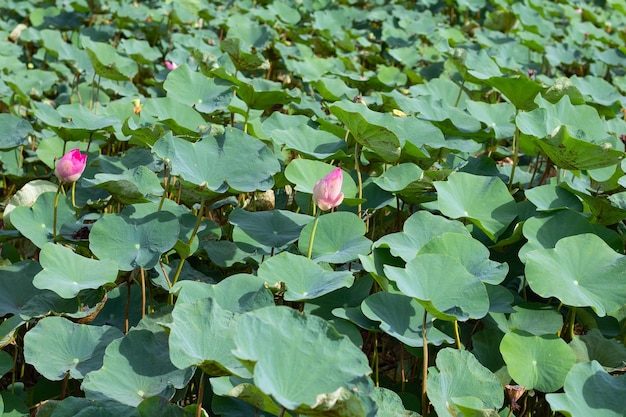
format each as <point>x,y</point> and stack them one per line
<point>424,366</point>
<point>310,251</point>
<point>200,394</point>
<point>54,212</point>
<point>457,336</point>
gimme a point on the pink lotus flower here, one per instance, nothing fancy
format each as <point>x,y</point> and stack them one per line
<point>170,65</point>
<point>327,191</point>
<point>71,166</point>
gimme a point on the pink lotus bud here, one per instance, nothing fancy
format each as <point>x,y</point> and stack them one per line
<point>170,65</point>
<point>71,166</point>
<point>327,191</point>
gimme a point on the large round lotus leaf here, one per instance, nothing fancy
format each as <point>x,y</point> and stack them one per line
<point>590,391</point>
<point>551,197</point>
<point>419,229</point>
<point>196,89</point>
<point>82,407</point>
<point>584,272</point>
<point>305,173</point>
<point>485,201</point>
<point>535,319</point>
<point>303,278</point>
<point>36,222</point>
<point>77,348</point>
<point>472,254</point>
<point>318,374</point>
<point>267,229</point>
<point>610,353</point>
<point>261,94</point>
<point>402,317</point>
<point>370,129</point>
<point>191,161</point>
<point>306,140</point>
<point>458,374</point>
<point>537,362</point>
<point>67,273</point>
<point>201,334</point>
<point>443,286</point>
<point>15,131</point>
<point>238,293</point>
<point>338,238</point>
<point>136,185</point>
<point>16,286</point>
<point>545,231</point>
<point>26,196</point>
<point>136,367</point>
<point>134,241</point>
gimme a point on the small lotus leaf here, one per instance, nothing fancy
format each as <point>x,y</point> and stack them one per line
<point>338,238</point>
<point>107,62</point>
<point>442,285</point>
<point>67,273</point>
<point>36,222</point>
<point>134,242</point>
<point>584,272</point>
<point>485,201</point>
<point>78,348</point>
<point>267,229</point>
<point>551,197</point>
<point>402,317</point>
<point>537,362</point>
<point>135,185</point>
<point>15,131</point>
<point>590,391</point>
<point>283,369</point>
<point>303,278</point>
<point>593,346</point>
<point>315,143</point>
<point>207,95</point>
<point>458,374</point>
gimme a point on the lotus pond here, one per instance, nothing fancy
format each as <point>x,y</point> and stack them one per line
<point>312,208</point>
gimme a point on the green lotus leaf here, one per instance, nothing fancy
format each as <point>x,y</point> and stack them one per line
<point>543,232</point>
<point>16,286</point>
<point>267,229</point>
<point>369,129</point>
<point>244,397</point>
<point>485,201</point>
<point>402,317</point>
<point>242,60</point>
<point>306,140</point>
<point>107,62</point>
<point>82,407</point>
<point>260,94</point>
<point>134,242</point>
<point>67,273</point>
<point>239,293</point>
<point>551,197</point>
<point>537,362</point>
<point>207,95</point>
<point>26,196</point>
<point>338,238</point>
<point>215,162</point>
<point>303,278</point>
<point>593,346</point>
<point>15,131</point>
<point>6,363</point>
<point>458,374</point>
<point>155,406</point>
<point>520,90</point>
<point>498,117</point>
<point>584,272</point>
<point>390,404</point>
<point>537,319</point>
<point>78,348</point>
<point>136,185</point>
<point>201,334</point>
<point>442,285</point>
<point>134,368</point>
<point>472,254</point>
<point>486,348</point>
<point>283,369</point>
<point>418,229</point>
<point>36,222</point>
<point>399,177</point>
<point>590,391</point>
<point>182,120</point>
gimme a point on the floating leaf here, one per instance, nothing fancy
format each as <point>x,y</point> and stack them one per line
<point>590,391</point>
<point>338,238</point>
<point>282,369</point>
<point>78,348</point>
<point>67,273</point>
<point>134,242</point>
<point>485,201</point>
<point>584,272</point>
<point>537,362</point>
<point>303,278</point>
<point>215,162</point>
<point>458,374</point>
